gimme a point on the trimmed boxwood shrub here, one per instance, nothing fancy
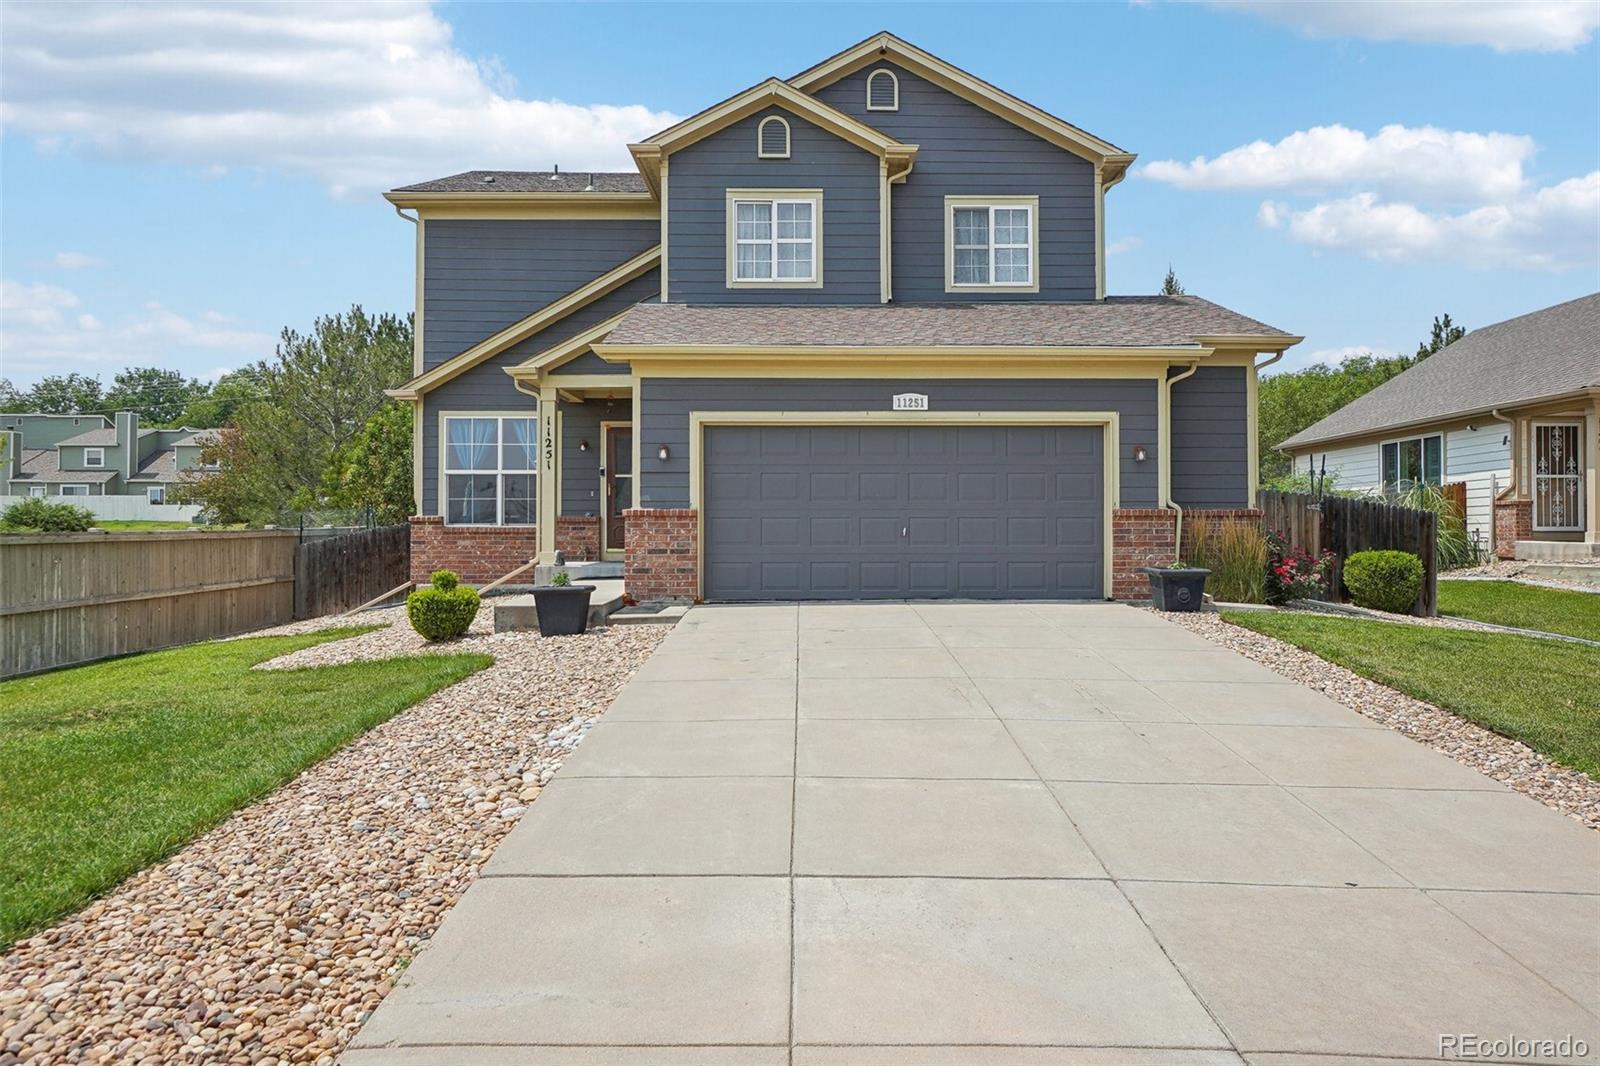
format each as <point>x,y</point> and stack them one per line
<point>1384,580</point>
<point>442,610</point>
<point>46,517</point>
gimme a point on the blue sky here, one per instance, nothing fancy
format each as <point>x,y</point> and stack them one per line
<point>178,183</point>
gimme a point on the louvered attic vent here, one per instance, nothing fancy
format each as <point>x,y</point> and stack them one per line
<point>772,138</point>
<point>883,91</point>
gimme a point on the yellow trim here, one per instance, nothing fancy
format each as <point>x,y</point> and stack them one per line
<point>557,354</point>
<point>886,46</point>
<point>612,279</point>
<point>418,412</point>
<point>731,245</point>
<point>894,78</point>
<point>590,384</point>
<point>1109,421</point>
<point>885,248</point>
<point>953,202</point>
<point>607,552</point>
<point>662,189</point>
<point>638,430</point>
<point>769,93</point>
<point>1252,402</point>
<point>549,463</point>
<point>1252,343</point>
<point>417,325</point>
<point>489,204</point>
<point>1099,233</point>
<point>761,136</point>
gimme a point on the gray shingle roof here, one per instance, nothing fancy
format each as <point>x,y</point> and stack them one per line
<point>493,181</point>
<point>42,465</point>
<point>1544,353</point>
<point>1117,322</point>
<point>93,438</point>
<point>198,439</point>
<point>159,467</point>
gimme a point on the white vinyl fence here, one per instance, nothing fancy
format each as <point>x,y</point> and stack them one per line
<point>122,508</point>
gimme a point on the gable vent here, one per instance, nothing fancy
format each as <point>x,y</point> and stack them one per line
<point>883,91</point>
<point>772,138</point>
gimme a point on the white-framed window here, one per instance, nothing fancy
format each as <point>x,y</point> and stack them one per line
<point>1410,460</point>
<point>772,138</point>
<point>774,238</point>
<point>37,490</point>
<point>155,494</point>
<point>883,91</point>
<point>74,490</point>
<point>94,457</point>
<point>489,466</point>
<point>992,243</point>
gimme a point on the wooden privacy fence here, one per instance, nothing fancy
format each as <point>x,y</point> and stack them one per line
<point>1345,525</point>
<point>75,597</point>
<point>343,572</point>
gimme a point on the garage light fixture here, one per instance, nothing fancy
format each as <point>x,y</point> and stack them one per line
<point>663,453</point>
<point>1139,454</point>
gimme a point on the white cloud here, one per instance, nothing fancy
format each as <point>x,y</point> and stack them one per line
<point>76,260</point>
<point>1126,244</point>
<point>1555,228</point>
<point>44,330</point>
<point>1424,161</point>
<point>1504,25</point>
<point>358,96</point>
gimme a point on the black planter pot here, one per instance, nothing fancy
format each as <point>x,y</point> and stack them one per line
<point>1177,588</point>
<point>563,609</point>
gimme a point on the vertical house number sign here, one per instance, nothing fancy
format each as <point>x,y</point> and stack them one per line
<point>550,441</point>
<point>910,401</point>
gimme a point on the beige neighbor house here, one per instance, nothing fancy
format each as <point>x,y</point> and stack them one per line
<point>1512,410</point>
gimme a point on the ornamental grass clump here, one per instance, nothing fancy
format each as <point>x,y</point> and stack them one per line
<point>1383,580</point>
<point>442,610</point>
<point>1235,552</point>
<point>1453,547</point>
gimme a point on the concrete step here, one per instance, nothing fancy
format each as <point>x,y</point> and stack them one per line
<point>580,572</point>
<point>1589,575</point>
<point>650,616</point>
<point>1558,551</point>
<point>512,613</point>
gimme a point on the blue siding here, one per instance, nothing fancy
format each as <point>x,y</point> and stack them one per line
<point>665,405</point>
<point>698,177</point>
<point>486,387</point>
<point>966,151</point>
<point>589,363</point>
<point>580,470</point>
<point>482,275</point>
<point>1210,438</point>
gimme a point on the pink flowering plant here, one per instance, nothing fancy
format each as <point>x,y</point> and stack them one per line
<point>1294,573</point>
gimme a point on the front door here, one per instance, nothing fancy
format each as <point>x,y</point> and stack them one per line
<point>618,476</point>
<point>1557,477</point>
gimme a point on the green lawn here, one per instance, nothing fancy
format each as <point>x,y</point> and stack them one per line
<point>111,766</point>
<point>1541,692</point>
<point>1507,603</point>
<point>114,526</point>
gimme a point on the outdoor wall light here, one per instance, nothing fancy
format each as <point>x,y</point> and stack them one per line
<point>583,445</point>
<point>1139,454</point>
<point>663,453</point>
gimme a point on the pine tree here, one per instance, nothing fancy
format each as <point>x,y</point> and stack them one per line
<point>1171,286</point>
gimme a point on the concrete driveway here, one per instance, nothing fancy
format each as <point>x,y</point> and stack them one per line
<point>1001,833</point>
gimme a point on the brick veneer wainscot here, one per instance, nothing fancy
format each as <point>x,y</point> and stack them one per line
<point>1513,521</point>
<point>478,553</point>
<point>661,562</point>
<point>1146,536</point>
<point>578,537</point>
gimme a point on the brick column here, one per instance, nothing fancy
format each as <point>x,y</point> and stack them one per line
<point>578,537</point>
<point>478,553</point>
<point>1140,536</point>
<point>1513,521</point>
<point>661,562</point>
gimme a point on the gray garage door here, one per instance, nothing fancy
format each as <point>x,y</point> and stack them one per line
<point>891,512</point>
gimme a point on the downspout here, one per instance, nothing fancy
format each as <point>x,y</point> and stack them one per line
<point>1167,501</point>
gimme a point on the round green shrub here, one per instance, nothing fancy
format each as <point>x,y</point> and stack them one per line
<point>1383,580</point>
<point>46,517</point>
<point>444,609</point>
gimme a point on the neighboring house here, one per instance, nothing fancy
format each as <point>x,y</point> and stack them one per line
<point>1511,409</point>
<point>94,455</point>
<point>842,336</point>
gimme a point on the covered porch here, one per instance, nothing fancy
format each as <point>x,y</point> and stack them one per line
<point>1551,510</point>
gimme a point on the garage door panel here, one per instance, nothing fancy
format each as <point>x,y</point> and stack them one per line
<point>796,512</point>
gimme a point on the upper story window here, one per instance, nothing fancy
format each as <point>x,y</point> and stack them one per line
<point>489,464</point>
<point>883,91</point>
<point>992,243</point>
<point>774,238</point>
<point>94,457</point>
<point>772,138</point>
<point>1411,461</point>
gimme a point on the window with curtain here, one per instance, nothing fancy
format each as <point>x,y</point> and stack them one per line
<point>992,245</point>
<point>490,463</point>
<point>1413,460</point>
<point>775,240</point>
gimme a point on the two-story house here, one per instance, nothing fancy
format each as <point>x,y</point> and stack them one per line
<point>840,336</point>
<point>94,455</point>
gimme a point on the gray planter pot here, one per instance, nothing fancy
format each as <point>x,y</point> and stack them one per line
<point>563,609</point>
<point>1177,588</point>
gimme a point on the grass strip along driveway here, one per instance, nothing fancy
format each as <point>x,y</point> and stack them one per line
<point>111,766</point>
<point>1541,692</point>
<point>1509,603</point>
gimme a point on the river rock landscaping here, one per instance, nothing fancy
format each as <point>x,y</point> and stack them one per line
<point>271,938</point>
<point>1511,762</point>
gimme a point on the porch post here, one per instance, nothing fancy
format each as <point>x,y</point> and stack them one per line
<point>549,462</point>
<point>1591,474</point>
